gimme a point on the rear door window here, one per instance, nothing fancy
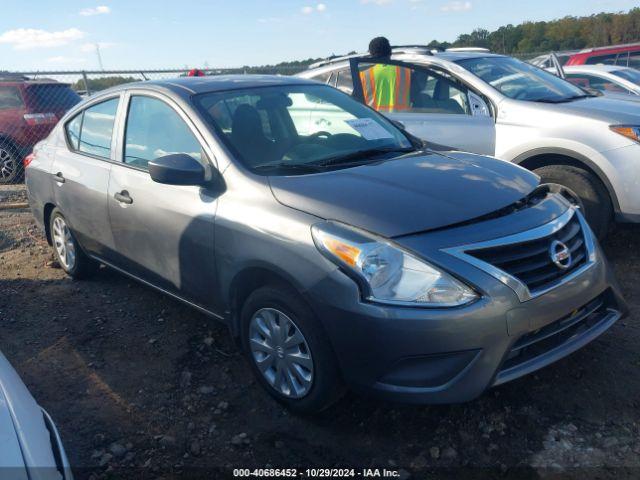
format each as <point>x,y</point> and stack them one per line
<point>602,59</point>
<point>97,128</point>
<point>344,81</point>
<point>634,60</point>
<point>73,131</point>
<point>10,98</point>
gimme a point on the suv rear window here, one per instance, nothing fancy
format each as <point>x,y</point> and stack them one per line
<point>49,97</point>
<point>10,98</point>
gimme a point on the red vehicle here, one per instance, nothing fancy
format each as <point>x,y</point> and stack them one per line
<point>29,109</point>
<point>622,55</point>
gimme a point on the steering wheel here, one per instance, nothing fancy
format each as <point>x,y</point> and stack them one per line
<point>320,133</point>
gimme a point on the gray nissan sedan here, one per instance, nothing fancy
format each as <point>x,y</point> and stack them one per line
<point>338,249</point>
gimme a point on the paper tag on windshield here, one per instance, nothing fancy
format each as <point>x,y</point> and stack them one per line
<point>369,129</point>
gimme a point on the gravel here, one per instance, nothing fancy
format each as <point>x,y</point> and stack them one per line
<point>187,403</point>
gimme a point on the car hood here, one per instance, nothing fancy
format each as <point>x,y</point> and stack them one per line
<point>604,108</point>
<point>25,441</point>
<point>11,459</point>
<point>622,96</point>
<point>408,194</point>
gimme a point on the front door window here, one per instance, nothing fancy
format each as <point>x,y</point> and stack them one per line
<point>393,88</point>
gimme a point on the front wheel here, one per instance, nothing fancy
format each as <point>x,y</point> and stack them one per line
<point>288,350</point>
<point>66,249</point>
<point>593,195</point>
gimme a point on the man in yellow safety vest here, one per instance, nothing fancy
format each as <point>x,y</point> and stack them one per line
<point>385,87</point>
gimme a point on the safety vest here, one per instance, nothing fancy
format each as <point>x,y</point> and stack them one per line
<point>386,87</point>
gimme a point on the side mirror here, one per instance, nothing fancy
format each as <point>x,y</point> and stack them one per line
<point>479,107</point>
<point>399,124</point>
<point>177,169</point>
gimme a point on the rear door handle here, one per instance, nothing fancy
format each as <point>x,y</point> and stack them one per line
<point>58,177</point>
<point>123,197</point>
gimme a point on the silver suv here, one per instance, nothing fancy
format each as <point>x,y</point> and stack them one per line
<point>496,105</point>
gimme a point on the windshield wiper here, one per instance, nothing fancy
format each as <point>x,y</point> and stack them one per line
<point>563,99</point>
<point>353,157</point>
<point>307,167</point>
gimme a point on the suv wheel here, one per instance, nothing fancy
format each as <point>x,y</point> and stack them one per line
<point>593,195</point>
<point>288,351</point>
<point>9,170</point>
<point>67,251</point>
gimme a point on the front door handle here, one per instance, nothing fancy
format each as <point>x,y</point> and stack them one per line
<point>58,177</point>
<point>123,197</point>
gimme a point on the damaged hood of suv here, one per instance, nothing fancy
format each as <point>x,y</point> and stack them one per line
<point>409,194</point>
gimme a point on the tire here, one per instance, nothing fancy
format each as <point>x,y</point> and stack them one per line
<point>78,267</point>
<point>10,166</point>
<point>593,195</point>
<point>326,385</point>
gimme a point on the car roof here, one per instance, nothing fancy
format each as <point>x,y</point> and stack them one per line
<point>594,68</point>
<point>412,53</point>
<point>14,81</point>
<point>612,48</point>
<point>214,83</point>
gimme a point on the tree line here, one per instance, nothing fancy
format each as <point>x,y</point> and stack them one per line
<point>568,33</point>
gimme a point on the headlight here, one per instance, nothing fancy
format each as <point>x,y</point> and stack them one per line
<point>388,273</point>
<point>629,131</point>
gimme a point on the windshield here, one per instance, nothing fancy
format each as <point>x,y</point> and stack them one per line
<point>300,127</point>
<point>521,81</point>
<point>631,75</point>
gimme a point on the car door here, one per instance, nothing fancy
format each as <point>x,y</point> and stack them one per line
<point>441,109</point>
<point>80,173</point>
<point>164,234</point>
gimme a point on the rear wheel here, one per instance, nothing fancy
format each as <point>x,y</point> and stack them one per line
<point>593,195</point>
<point>288,350</point>
<point>9,164</point>
<point>66,249</point>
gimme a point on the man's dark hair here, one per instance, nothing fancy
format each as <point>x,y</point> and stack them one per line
<point>380,47</point>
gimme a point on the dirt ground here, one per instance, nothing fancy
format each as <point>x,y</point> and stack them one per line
<point>141,386</point>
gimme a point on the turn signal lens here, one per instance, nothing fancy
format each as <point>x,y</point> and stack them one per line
<point>345,252</point>
<point>629,131</point>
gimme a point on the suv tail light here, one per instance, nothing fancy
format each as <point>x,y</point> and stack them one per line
<point>40,118</point>
<point>28,159</point>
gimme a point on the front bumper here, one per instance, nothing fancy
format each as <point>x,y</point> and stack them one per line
<point>453,355</point>
<point>621,168</point>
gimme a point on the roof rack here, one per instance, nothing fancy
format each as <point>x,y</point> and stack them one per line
<point>395,48</point>
<point>468,49</point>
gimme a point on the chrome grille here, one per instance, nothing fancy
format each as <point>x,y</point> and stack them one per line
<point>523,261</point>
<point>530,262</point>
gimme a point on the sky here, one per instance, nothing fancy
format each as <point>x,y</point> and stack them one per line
<point>63,34</point>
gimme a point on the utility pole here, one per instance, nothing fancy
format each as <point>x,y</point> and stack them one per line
<point>99,56</point>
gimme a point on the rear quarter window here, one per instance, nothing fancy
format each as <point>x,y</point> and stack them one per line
<point>10,97</point>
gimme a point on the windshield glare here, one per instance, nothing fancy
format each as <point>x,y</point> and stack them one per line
<point>631,75</point>
<point>297,126</point>
<point>521,81</point>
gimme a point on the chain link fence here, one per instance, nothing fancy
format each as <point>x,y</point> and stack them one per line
<point>31,103</point>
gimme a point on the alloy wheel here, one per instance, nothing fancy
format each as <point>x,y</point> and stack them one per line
<point>8,167</point>
<point>281,353</point>
<point>63,243</point>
